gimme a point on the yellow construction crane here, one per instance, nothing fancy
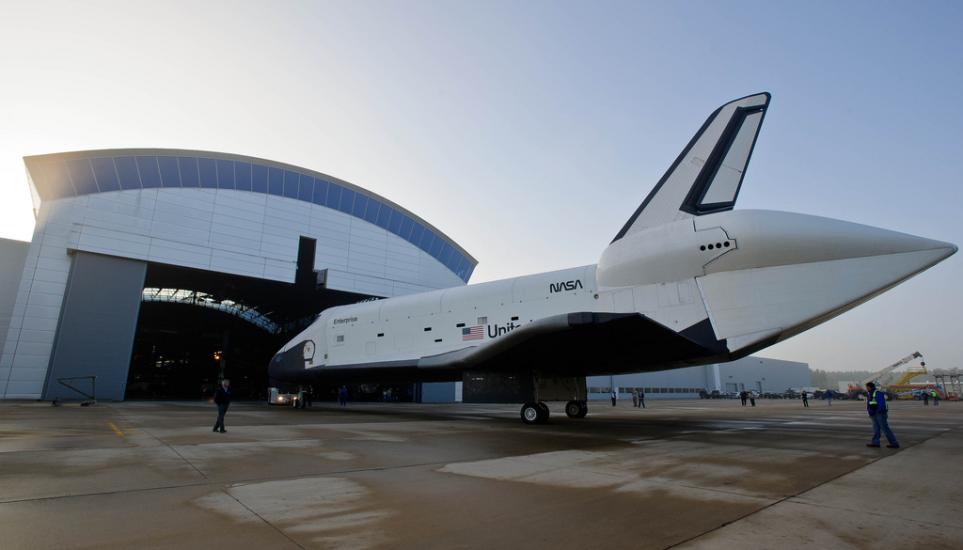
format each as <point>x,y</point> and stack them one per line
<point>911,373</point>
<point>878,376</point>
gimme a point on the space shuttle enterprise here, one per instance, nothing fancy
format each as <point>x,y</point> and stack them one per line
<point>686,281</point>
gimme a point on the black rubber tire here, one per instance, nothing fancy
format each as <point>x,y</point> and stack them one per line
<point>543,409</point>
<point>584,406</point>
<point>573,409</point>
<point>531,413</point>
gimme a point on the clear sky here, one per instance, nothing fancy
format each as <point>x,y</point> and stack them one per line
<point>529,131</point>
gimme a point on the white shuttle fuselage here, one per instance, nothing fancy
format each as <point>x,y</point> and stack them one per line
<point>688,280</point>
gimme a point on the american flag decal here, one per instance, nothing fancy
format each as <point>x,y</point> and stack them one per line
<point>472,333</point>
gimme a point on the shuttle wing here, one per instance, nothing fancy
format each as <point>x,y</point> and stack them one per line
<point>574,343</point>
<point>707,175</point>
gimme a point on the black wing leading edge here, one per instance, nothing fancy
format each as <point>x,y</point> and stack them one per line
<point>707,175</point>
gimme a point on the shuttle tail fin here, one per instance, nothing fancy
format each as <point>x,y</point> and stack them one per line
<point>707,175</point>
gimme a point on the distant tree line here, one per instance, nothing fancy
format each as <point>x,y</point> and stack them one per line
<point>831,379</point>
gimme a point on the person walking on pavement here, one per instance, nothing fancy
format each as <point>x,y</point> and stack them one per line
<point>878,411</point>
<point>752,398</point>
<point>936,398</point>
<point>743,397</point>
<point>615,396</point>
<point>805,398</point>
<point>635,398</point>
<point>222,398</point>
<point>343,396</point>
<point>926,398</point>
<point>641,398</point>
<point>829,398</point>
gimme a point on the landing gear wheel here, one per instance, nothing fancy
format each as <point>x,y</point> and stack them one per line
<point>534,413</point>
<point>584,406</point>
<point>574,409</point>
<point>530,413</point>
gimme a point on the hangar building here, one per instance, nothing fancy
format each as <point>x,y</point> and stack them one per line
<point>157,270</point>
<point>751,373</point>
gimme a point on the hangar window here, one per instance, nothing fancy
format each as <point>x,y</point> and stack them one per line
<point>208,172</point>
<point>149,176</point>
<point>334,195</point>
<point>276,181</point>
<point>242,175</point>
<point>82,176</point>
<point>436,245</point>
<point>371,212</point>
<point>347,201</point>
<point>259,178</point>
<point>360,204</point>
<point>306,188</point>
<point>407,227</point>
<point>384,215</point>
<point>427,241</point>
<point>170,177</point>
<point>291,184</point>
<point>225,174</point>
<point>188,170</point>
<point>446,252</point>
<point>416,233</point>
<point>394,222</point>
<point>320,192</point>
<point>106,174</point>
<point>127,172</point>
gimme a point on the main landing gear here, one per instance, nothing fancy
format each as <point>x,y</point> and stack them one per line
<point>537,413</point>
<point>576,409</point>
<point>534,413</point>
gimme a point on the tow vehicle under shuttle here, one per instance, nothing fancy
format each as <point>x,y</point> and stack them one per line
<point>686,281</point>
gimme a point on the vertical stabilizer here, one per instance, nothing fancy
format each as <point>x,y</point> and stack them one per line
<point>707,175</point>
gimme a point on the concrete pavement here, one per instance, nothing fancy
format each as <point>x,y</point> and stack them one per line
<point>680,473</point>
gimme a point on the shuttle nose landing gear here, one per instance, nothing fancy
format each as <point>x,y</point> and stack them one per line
<point>534,413</point>
<point>576,409</point>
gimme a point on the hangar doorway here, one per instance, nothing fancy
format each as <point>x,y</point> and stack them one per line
<point>196,326</point>
<point>180,352</point>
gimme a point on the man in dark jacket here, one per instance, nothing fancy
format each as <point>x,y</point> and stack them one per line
<point>877,409</point>
<point>222,397</point>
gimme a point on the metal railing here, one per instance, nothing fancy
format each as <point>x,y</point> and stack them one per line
<point>91,398</point>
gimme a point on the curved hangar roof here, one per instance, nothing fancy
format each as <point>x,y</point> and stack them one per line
<point>63,175</point>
